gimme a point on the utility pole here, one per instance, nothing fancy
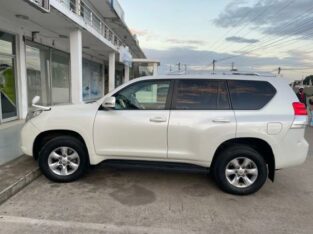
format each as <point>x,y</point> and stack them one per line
<point>233,67</point>
<point>214,61</point>
<point>179,64</point>
<point>279,70</point>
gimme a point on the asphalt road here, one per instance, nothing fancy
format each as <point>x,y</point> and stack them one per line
<point>135,201</point>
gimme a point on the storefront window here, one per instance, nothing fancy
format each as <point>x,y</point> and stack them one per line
<point>119,75</point>
<point>92,80</point>
<point>37,64</point>
<point>142,69</point>
<point>7,43</point>
<point>8,106</point>
<point>48,75</point>
<point>60,67</point>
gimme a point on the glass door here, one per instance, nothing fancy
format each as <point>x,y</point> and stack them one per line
<point>38,73</point>
<point>60,74</point>
<point>8,106</point>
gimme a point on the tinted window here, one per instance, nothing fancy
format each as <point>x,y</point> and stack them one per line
<point>200,95</point>
<point>250,95</point>
<point>147,95</point>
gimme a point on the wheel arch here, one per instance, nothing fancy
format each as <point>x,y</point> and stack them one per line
<point>45,136</point>
<point>260,145</point>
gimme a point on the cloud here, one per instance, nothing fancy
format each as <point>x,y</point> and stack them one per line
<point>188,42</point>
<point>275,17</point>
<point>241,40</point>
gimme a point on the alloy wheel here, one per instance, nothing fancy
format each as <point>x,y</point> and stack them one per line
<point>241,172</point>
<point>63,161</point>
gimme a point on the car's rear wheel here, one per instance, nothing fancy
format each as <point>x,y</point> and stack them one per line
<point>240,170</point>
<point>63,159</point>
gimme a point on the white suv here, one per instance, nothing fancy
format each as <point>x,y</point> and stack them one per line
<point>241,127</point>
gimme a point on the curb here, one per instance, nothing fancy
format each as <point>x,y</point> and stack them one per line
<point>19,185</point>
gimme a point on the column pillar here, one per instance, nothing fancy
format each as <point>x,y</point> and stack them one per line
<point>77,7</point>
<point>111,71</point>
<point>76,66</point>
<point>22,78</point>
<point>155,69</point>
<point>126,73</point>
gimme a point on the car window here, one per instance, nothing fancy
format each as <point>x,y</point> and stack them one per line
<point>145,95</point>
<point>250,95</point>
<point>201,95</point>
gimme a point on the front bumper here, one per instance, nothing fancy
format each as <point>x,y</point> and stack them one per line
<point>28,135</point>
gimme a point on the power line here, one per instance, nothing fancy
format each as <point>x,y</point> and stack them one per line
<point>230,30</point>
<point>299,30</point>
<point>271,43</point>
<point>253,19</point>
<point>281,10</point>
<point>284,30</point>
<point>299,17</point>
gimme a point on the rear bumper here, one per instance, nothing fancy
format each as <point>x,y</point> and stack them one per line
<point>28,135</point>
<point>292,153</point>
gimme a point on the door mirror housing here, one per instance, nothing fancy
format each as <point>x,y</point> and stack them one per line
<point>35,100</point>
<point>109,102</point>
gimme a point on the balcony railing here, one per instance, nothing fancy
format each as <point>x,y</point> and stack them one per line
<point>82,9</point>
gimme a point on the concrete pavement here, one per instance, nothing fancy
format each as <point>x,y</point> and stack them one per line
<point>17,174</point>
<point>137,201</point>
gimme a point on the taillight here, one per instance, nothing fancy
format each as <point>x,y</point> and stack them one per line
<point>299,108</point>
<point>301,115</point>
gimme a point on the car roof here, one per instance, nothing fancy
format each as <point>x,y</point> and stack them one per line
<point>213,76</point>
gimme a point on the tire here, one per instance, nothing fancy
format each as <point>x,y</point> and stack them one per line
<point>60,153</point>
<point>244,165</point>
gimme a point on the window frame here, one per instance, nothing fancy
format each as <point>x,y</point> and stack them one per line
<point>174,95</point>
<point>168,99</point>
<point>15,60</point>
<point>30,43</point>
<point>254,109</point>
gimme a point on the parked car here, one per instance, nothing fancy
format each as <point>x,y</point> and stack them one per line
<point>241,127</point>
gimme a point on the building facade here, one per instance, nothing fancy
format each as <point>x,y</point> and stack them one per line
<point>65,51</point>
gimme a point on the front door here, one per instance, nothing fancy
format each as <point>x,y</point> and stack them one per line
<point>137,126</point>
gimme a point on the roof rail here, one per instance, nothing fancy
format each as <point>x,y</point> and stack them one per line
<point>237,73</point>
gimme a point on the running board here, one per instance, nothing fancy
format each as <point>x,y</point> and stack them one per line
<point>153,165</point>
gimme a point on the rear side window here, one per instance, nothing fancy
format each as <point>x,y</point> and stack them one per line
<point>250,95</point>
<point>201,95</point>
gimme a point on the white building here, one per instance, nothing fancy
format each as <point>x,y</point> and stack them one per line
<point>65,51</point>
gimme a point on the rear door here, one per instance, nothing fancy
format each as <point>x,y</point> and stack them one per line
<point>200,120</point>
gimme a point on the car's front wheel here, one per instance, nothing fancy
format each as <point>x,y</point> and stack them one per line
<point>63,159</point>
<point>240,170</point>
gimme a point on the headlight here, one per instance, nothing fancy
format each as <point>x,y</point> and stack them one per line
<point>32,114</point>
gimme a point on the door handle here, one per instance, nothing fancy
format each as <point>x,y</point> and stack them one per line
<point>221,120</point>
<point>158,119</point>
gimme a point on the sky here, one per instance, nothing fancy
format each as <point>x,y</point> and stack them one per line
<point>255,35</point>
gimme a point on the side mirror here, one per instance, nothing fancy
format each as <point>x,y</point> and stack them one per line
<point>109,102</point>
<point>35,100</point>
